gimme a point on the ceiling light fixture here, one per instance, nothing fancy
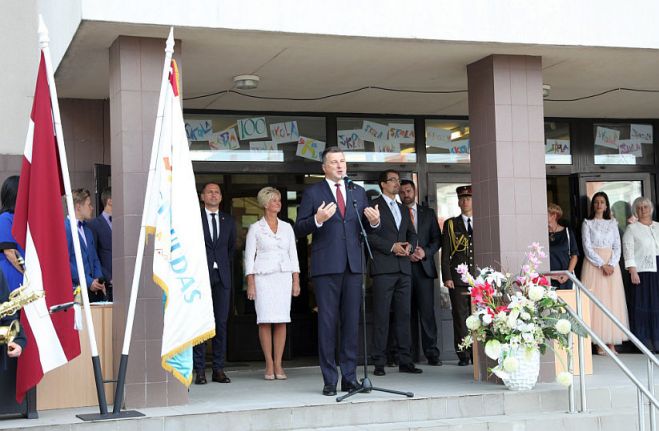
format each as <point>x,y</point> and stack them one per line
<point>246,82</point>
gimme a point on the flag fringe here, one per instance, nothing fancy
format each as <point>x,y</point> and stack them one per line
<point>167,356</point>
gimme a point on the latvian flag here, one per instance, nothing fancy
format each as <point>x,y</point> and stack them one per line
<point>39,229</point>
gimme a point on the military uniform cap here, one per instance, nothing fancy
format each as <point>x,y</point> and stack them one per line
<point>463,191</point>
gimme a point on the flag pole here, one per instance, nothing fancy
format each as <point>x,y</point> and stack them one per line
<point>44,41</point>
<point>130,318</point>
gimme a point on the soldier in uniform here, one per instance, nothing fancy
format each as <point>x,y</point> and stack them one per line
<point>457,248</point>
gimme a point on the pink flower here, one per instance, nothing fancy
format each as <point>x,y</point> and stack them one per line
<point>462,269</point>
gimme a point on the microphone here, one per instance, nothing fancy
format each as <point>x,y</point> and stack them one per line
<point>348,182</point>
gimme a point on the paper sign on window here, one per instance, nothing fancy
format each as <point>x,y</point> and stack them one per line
<point>310,149</point>
<point>198,130</point>
<point>284,132</point>
<point>252,128</point>
<point>630,146</point>
<point>605,137</point>
<point>641,133</point>
<point>460,147</point>
<point>402,133</point>
<point>374,131</point>
<point>263,146</point>
<point>350,139</point>
<point>557,146</point>
<point>387,147</point>
<point>224,140</point>
<point>438,137</point>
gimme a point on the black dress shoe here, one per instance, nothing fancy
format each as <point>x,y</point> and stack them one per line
<point>392,363</point>
<point>329,390</point>
<point>409,368</point>
<point>463,362</point>
<point>220,377</point>
<point>201,378</point>
<point>434,361</point>
<point>379,371</point>
<point>347,386</point>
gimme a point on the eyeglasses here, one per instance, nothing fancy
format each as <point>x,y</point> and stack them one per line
<point>395,180</point>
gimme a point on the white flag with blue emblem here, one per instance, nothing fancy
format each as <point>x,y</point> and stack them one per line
<point>179,258</point>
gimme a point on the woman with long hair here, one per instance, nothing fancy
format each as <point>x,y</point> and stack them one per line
<point>11,251</point>
<point>601,272</point>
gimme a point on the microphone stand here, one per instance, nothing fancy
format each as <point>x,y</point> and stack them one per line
<point>365,385</point>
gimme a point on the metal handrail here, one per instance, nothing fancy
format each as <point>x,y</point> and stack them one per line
<point>651,358</point>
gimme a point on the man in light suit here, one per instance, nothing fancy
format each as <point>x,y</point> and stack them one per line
<point>82,205</point>
<point>329,210</point>
<point>101,228</point>
<point>424,271</point>
<point>391,269</point>
<point>220,239</point>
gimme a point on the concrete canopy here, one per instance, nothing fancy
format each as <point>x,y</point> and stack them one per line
<point>309,66</point>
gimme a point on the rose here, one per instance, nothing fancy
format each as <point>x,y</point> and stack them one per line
<point>563,326</point>
<point>493,349</point>
<point>564,378</point>
<point>536,292</point>
<point>473,322</point>
<point>510,364</point>
<point>487,319</point>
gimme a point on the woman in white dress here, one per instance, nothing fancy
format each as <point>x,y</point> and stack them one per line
<point>601,272</point>
<point>273,275</point>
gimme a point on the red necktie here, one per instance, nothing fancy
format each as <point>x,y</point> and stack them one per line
<point>339,200</point>
<point>412,216</point>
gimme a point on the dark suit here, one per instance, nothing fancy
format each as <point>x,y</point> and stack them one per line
<point>103,239</point>
<point>218,252</point>
<point>90,262</point>
<point>336,269</point>
<point>457,248</point>
<point>424,274</point>
<point>391,282</point>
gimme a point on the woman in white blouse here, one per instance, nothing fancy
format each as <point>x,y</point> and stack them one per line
<point>273,275</point>
<point>640,245</point>
<point>601,272</point>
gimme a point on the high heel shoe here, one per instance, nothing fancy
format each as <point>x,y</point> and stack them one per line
<point>281,376</point>
<point>269,376</point>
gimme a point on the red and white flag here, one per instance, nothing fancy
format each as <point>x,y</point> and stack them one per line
<point>39,228</point>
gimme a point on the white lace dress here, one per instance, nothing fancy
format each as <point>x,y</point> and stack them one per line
<point>272,258</point>
<point>601,244</point>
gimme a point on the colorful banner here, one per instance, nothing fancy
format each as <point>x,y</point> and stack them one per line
<point>263,146</point>
<point>252,128</point>
<point>605,137</point>
<point>438,137</point>
<point>401,133</point>
<point>374,132</point>
<point>310,149</point>
<point>198,130</point>
<point>224,140</point>
<point>641,133</point>
<point>284,132</point>
<point>557,146</point>
<point>350,139</point>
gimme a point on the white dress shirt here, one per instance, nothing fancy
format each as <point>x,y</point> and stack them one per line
<point>209,221</point>
<point>395,209</point>
<point>466,220</point>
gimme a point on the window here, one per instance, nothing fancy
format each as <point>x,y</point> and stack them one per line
<point>447,141</point>
<point>381,140</point>
<point>623,144</point>
<point>558,148</point>
<point>255,138</point>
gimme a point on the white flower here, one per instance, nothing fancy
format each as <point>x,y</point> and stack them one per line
<point>510,364</point>
<point>473,322</point>
<point>564,378</point>
<point>536,292</point>
<point>563,326</point>
<point>527,336</point>
<point>462,269</point>
<point>553,295</point>
<point>493,349</point>
<point>487,319</point>
<point>524,315</point>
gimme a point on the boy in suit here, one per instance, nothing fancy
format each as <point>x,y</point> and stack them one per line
<point>101,228</point>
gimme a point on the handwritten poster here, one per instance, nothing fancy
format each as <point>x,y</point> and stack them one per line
<point>387,147</point>
<point>284,132</point>
<point>350,139</point>
<point>252,128</point>
<point>605,137</point>
<point>374,132</point>
<point>438,137</point>
<point>630,146</point>
<point>310,149</point>
<point>557,146</point>
<point>263,146</point>
<point>642,133</point>
<point>460,147</point>
<point>198,130</point>
<point>402,133</point>
<point>225,140</point>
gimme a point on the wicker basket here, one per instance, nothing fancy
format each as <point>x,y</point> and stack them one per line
<point>526,375</point>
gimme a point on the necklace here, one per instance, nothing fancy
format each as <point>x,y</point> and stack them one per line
<point>552,234</point>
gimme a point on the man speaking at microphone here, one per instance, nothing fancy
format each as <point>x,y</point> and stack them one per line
<point>327,212</point>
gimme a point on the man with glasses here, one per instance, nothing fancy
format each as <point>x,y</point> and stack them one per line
<point>457,249</point>
<point>329,210</point>
<point>391,269</point>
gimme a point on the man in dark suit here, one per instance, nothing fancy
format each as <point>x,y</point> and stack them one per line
<point>101,228</point>
<point>220,239</point>
<point>458,248</point>
<point>82,205</point>
<point>424,271</point>
<point>329,210</point>
<point>391,269</point>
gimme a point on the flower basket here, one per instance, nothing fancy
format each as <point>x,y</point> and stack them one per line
<point>526,372</point>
